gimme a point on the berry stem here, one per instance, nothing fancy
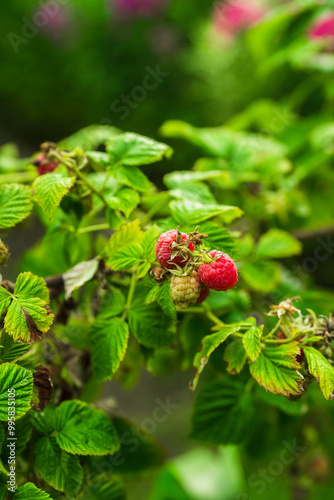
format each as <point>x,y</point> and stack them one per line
<point>77,170</point>
<point>90,229</point>
<point>130,294</point>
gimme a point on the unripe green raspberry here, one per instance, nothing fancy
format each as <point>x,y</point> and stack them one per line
<point>185,290</point>
<point>4,254</point>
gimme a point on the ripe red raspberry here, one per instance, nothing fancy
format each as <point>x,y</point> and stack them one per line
<point>205,292</point>
<point>220,274</point>
<point>163,249</point>
<point>44,166</point>
<point>185,290</point>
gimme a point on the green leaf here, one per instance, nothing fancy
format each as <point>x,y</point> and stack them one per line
<point>133,149</point>
<point>143,269</point>
<point>176,179</point>
<point>286,405</point>
<point>124,200</point>
<point>59,469</point>
<point>112,304</point>
<point>322,371</point>
<point>139,450</point>
<point>192,212</point>
<point>21,380</point>
<point>29,285</point>
<point>132,177</point>
<point>251,342</point>
<point>15,204</point>
<point>103,488</point>
<point>149,241</point>
<point>276,369</point>
<point>44,421</point>
<point>109,343</point>
<point>79,275</point>
<point>278,244</point>
<point>235,356</point>
<point>223,413</point>
<point>23,430</point>
<point>150,325</point>
<point>127,258</point>
<point>49,189</point>
<point>165,301</point>
<point>29,491</point>
<point>2,437</point>
<point>209,344</point>
<point>89,137</point>
<point>262,276</point>
<point>28,318</point>
<point>218,238</point>
<point>83,430</point>
<point>126,235</point>
<point>5,300</point>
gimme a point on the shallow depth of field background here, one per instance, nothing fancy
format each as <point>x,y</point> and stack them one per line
<point>134,64</point>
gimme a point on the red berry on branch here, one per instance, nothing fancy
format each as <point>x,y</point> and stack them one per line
<point>44,166</point>
<point>221,274</point>
<point>166,246</point>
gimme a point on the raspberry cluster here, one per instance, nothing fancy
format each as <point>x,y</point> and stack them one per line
<point>194,270</point>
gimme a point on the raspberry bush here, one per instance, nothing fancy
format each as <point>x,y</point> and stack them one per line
<point>130,277</point>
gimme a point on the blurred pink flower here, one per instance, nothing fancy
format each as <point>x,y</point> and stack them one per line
<point>136,8</point>
<point>231,17</point>
<point>53,19</point>
<point>323,27</point>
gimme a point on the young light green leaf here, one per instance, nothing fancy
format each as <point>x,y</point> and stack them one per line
<point>223,413</point>
<point>192,212</point>
<point>125,200</point>
<point>143,269</point>
<point>251,342</point>
<point>276,369</point>
<point>49,189</point>
<point>149,241</point>
<point>27,318</point>
<point>29,285</point>
<point>127,258</point>
<point>262,276</point>
<point>79,275</point>
<point>209,344</point>
<point>109,343</point>
<point>29,491</point>
<point>322,371</point>
<point>126,235</point>
<point>15,204</point>
<point>134,149</point>
<point>83,430</point>
<point>235,356</point>
<point>59,469</point>
<point>5,300</point>
<point>277,243</point>
<point>14,377</point>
